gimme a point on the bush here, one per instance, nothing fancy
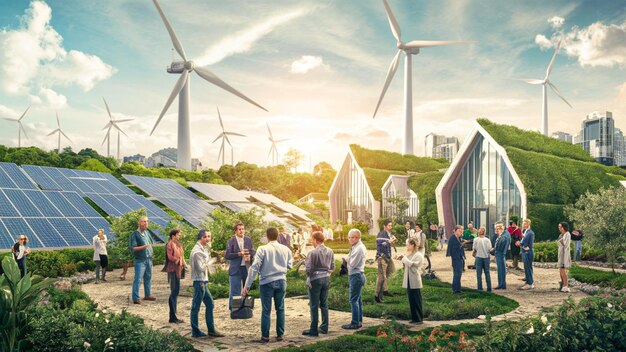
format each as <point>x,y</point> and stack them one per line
<point>545,218</point>
<point>48,263</point>
<point>221,226</point>
<point>424,186</point>
<point>598,277</point>
<point>63,299</point>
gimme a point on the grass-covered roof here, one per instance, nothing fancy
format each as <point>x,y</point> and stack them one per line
<point>376,179</point>
<point>384,160</point>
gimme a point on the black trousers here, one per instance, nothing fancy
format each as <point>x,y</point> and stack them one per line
<point>415,302</point>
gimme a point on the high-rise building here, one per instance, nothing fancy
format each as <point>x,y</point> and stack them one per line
<point>597,135</point>
<point>562,136</point>
<point>437,146</point>
<point>619,148</point>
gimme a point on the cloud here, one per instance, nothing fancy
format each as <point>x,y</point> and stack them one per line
<point>33,60</point>
<point>306,63</point>
<point>621,92</point>
<point>377,134</point>
<point>242,41</point>
<point>598,44</point>
<point>556,22</point>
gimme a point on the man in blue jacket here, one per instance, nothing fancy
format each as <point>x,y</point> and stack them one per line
<point>527,243</point>
<point>239,251</point>
<point>501,246</point>
<point>141,246</point>
<point>456,253</point>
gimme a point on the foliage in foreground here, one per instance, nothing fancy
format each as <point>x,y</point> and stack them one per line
<point>598,277</point>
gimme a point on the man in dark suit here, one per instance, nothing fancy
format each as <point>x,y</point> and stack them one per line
<point>527,245</point>
<point>239,253</point>
<point>456,253</point>
<point>501,247</point>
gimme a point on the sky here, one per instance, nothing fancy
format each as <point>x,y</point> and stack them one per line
<point>318,67</point>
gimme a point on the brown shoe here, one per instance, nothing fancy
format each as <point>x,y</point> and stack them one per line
<point>136,302</point>
<point>149,298</point>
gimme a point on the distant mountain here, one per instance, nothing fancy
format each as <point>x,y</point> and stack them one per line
<point>170,153</point>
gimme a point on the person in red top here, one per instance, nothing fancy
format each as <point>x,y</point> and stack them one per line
<point>174,268</point>
<point>516,237</point>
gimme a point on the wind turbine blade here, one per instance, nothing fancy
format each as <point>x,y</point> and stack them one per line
<point>177,44</point>
<point>281,140</point>
<point>392,71</point>
<point>556,51</point>
<point>220,118</point>
<point>235,134</point>
<point>393,23</point>
<point>108,125</point>
<point>10,119</point>
<point>58,123</point>
<point>24,114</point>
<point>530,80</point>
<point>559,94</point>
<point>53,132</point>
<point>106,136</point>
<point>119,129</point>
<point>124,120</point>
<point>429,43</point>
<point>270,131</point>
<point>221,149</point>
<point>211,77</point>
<point>270,152</point>
<point>218,137</point>
<point>177,88</point>
<point>22,128</point>
<point>108,110</point>
<point>64,135</point>
<point>228,141</point>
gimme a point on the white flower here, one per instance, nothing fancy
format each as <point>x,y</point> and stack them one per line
<point>548,328</point>
<point>104,311</point>
<point>97,315</point>
<point>609,305</point>
<point>86,344</point>
<point>107,340</point>
<point>544,319</point>
<point>530,331</point>
<point>107,320</point>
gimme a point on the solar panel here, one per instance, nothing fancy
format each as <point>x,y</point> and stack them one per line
<point>65,207</point>
<point>43,204</point>
<point>40,177</point>
<point>6,241</point>
<point>46,233</point>
<point>100,223</point>
<point>6,208</point>
<point>22,203</point>
<point>18,226</point>
<point>219,192</point>
<point>270,199</point>
<point>68,232</point>
<point>85,227</point>
<point>16,175</point>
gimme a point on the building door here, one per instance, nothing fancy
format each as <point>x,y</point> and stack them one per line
<point>481,218</point>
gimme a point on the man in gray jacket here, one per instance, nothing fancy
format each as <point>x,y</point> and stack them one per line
<point>271,263</point>
<point>356,269</point>
<point>320,263</point>
<point>199,261</point>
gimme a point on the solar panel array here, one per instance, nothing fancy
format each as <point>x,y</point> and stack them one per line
<point>50,219</point>
<point>104,189</point>
<point>270,199</point>
<point>174,196</point>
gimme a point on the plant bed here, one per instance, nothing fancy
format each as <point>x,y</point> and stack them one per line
<point>601,278</point>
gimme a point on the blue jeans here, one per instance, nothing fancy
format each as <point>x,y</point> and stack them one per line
<point>357,281</point>
<point>201,294</point>
<point>174,290</point>
<point>578,250</point>
<point>482,265</point>
<point>275,289</point>
<point>236,282</point>
<point>457,270</point>
<point>143,271</point>
<point>501,264</point>
<point>527,258</point>
<point>318,298</point>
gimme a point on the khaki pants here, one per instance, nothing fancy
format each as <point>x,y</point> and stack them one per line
<point>386,267</point>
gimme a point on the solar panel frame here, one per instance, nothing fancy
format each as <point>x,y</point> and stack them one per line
<point>46,233</point>
<point>22,203</point>
<point>18,226</point>
<point>66,208</point>
<point>41,178</point>
<point>18,176</point>
<point>68,232</point>
<point>218,192</point>
<point>6,241</point>
<point>6,207</point>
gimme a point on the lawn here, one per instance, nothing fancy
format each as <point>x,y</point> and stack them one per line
<point>598,277</point>
<point>438,301</point>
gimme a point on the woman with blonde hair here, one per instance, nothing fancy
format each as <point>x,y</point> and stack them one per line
<point>20,251</point>
<point>100,255</point>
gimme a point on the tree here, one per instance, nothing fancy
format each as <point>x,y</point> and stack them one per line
<point>602,218</point>
<point>94,165</point>
<point>293,158</point>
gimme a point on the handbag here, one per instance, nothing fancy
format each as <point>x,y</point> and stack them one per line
<point>242,307</point>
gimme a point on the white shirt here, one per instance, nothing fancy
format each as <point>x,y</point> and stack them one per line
<point>241,245</point>
<point>482,246</point>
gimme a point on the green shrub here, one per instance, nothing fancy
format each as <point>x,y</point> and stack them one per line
<point>384,160</point>
<point>47,263</point>
<point>62,299</point>
<point>221,226</point>
<point>545,218</point>
<point>424,186</point>
<point>598,277</point>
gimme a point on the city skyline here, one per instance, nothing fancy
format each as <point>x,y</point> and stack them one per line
<point>317,68</point>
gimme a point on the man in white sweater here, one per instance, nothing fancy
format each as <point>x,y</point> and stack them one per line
<point>199,261</point>
<point>356,269</point>
<point>271,263</point>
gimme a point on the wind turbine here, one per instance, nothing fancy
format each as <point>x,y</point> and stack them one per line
<point>410,48</point>
<point>60,133</point>
<point>546,82</point>
<point>181,88</point>
<point>20,127</point>
<point>224,135</point>
<point>113,124</point>
<point>273,150</point>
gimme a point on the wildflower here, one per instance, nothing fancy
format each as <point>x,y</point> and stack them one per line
<point>107,340</point>
<point>97,315</point>
<point>431,338</point>
<point>544,319</point>
<point>86,344</point>
<point>107,320</point>
<point>609,305</point>
<point>383,334</point>
<point>530,331</point>
<point>420,338</point>
<point>405,339</point>
<point>548,328</point>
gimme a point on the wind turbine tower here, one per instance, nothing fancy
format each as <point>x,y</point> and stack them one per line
<point>20,127</point>
<point>181,88</point>
<point>224,135</point>
<point>60,132</point>
<point>113,124</point>
<point>409,49</point>
<point>273,150</point>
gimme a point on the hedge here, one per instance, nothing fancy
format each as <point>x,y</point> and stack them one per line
<point>424,186</point>
<point>512,136</point>
<point>382,159</point>
<point>545,218</point>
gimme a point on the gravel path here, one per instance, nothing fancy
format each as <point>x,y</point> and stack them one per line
<point>242,334</point>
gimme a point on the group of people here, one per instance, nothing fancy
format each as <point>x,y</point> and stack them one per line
<point>521,243</point>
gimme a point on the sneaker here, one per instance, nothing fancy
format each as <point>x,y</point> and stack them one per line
<point>309,333</point>
<point>350,326</point>
<point>378,299</point>
<point>525,287</point>
<point>565,289</point>
<point>215,334</point>
<point>200,335</point>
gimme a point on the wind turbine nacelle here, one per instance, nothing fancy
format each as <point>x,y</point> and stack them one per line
<point>180,66</point>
